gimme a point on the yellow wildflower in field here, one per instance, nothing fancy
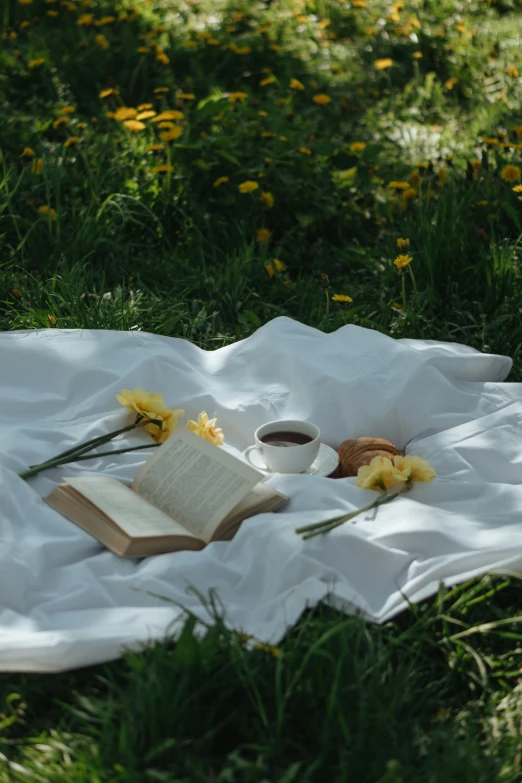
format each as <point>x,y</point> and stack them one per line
<point>134,125</point>
<point>450,83</point>
<point>36,63</point>
<point>383,63</point>
<point>167,124</point>
<point>60,122</point>
<point>263,235</point>
<point>278,265</point>
<point>165,168</point>
<point>154,147</point>
<point>160,90</point>
<point>71,140</point>
<point>144,107</point>
<point>172,134</point>
<point>186,96</point>
<point>305,150</point>
<point>170,114</point>
<point>125,113</point>
<point>25,24</point>
<point>512,71</point>
<point>52,13</point>
<point>295,84</point>
<point>517,189</point>
<point>101,41</point>
<point>267,198</point>
<point>402,261</point>
<point>402,244</point>
<point>37,166</point>
<point>107,92</point>
<point>106,20</point>
<point>85,20</point>
<point>417,55</point>
<point>399,185</point>
<point>234,97</point>
<point>146,115</point>
<point>409,193</point>
<point>321,99</point>
<point>27,153</point>
<point>205,428</point>
<point>358,3</point>
<point>270,269</point>
<point>163,58</point>
<point>341,298</point>
<point>357,146</point>
<point>248,186</point>
<point>67,110</point>
<point>220,181</point>
<point>269,80</point>
<point>275,651</point>
<point>510,173</point>
<point>47,211</point>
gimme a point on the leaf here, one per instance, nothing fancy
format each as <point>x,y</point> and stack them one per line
<point>228,156</point>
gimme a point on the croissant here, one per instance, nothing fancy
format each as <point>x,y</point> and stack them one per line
<point>361,451</point>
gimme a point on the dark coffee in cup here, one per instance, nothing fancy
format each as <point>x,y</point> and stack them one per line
<point>286,438</point>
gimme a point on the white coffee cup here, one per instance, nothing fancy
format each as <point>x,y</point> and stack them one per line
<point>288,456</point>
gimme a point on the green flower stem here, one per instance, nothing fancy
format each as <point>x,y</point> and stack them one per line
<point>410,270</point>
<point>118,451</point>
<point>403,291</point>
<point>329,524</point>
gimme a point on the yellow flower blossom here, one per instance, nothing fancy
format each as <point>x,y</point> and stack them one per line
<point>101,41</point>
<point>512,71</point>
<point>383,63</point>
<point>47,211</point>
<point>172,134</point>
<point>267,198</point>
<point>248,186</point>
<point>380,474</point>
<point>399,185</point>
<point>295,84</point>
<point>165,168</point>
<point>321,99</point>
<point>186,96</point>
<point>417,55</point>
<point>270,269</point>
<point>275,651</point>
<point>234,97</point>
<point>134,125</point>
<point>205,428</point>
<point>517,189</point>
<point>85,20</point>
<point>37,166</point>
<point>71,140</point>
<point>67,110</point>
<point>171,114</point>
<point>154,147</point>
<point>125,113</point>
<point>510,173</point>
<point>107,92</point>
<point>145,107</point>
<point>146,115</point>
<point>341,298</point>
<point>163,58</point>
<point>263,235</point>
<point>27,153</point>
<point>60,122</point>
<point>357,146</point>
<point>220,181</point>
<point>151,407</point>
<point>450,83</point>
<point>160,90</point>
<point>414,468</point>
<point>402,244</point>
<point>36,63</point>
<point>305,150</point>
<point>402,261</point>
<point>409,193</point>
<point>278,264</point>
<point>268,80</point>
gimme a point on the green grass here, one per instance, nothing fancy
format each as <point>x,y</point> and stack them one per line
<point>434,695</point>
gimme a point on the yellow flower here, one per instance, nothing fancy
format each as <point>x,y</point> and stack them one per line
<point>85,19</point>
<point>248,186</point>
<point>450,84</point>
<point>417,55</point>
<point>67,110</point>
<point>267,198</point>
<point>27,153</point>
<point>47,211</point>
<point>161,90</point>
<point>172,134</point>
<point>205,428</point>
<point>154,147</point>
<point>107,92</point>
<point>186,96</point>
<point>162,58</point>
<point>220,181</point>
<point>171,114</point>
<point>145,107</point>
<point>384,63</point>
<point>517,189</point>
<point>278,265</point>
<point>357,146</point>
<point>37,166</point>
<point>402,261</point>
<point>295,84</point>
<point>165,168</point>
<point>269,80</point>
<point>71,140</point>
<point>61,121</point>
<point>510,173</point>
<point>270,269</point>
<point>414,468</point>
<point>146,115</point>
<point>36,63</point>
<point>124,113</point>
<point>380,474</point>
<point>263,235</point>
<point>512,71</point>
<point>408,194</point>
<point>151,407</point>
<point>305,150</point>
<point>402,244</point>
<point>234,97</point>
<point>275,651</point>
<point>341,298</point>
<point>321,99</point>
<point>134,125</point>
<point>399,185</point>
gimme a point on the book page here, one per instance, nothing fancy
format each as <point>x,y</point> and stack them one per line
<point>136,517</point>
<point>194,482</point>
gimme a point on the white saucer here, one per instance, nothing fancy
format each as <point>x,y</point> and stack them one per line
<point>324,464</point>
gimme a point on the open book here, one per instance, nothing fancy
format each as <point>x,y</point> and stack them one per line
<point>187,494</point>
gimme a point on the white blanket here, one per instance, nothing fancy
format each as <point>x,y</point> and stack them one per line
<point>66,602</point>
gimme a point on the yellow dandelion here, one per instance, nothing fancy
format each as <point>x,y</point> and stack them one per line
<point>295,84</point>
<point>512,71</point>
<point>134,125</point>
<point>154,147</point>
<point>47,211</point>
<point>36,63</point>
<point>399,185</point>
<point>67,110</point>
<point>275,651</point>
<point>278,265</point>
<point>409,193</point>
<point>270,269</point>
<point>107,92</point>
<point>85,20</point>
<point>263,235</point>
<point>37,166</point>
<point>417,55</point>
<point>321,99</point>
<point>402,244</point>
<point>510,173</point>
<point>106,20</point>
<point>383,63</point>
<point>101,41</point>
<point>357,146</point>
<point>248,186</point>
<point>186,96</point>
<point>71,140</point>
<point>52,13</point>
<point>402,261</point>
<point>160,90</point>
<point>171,114</point>
<point>146,115</point>
<point>167,125</point>
<point>267,198</point>
<point>234,97</point>
<point>220,181</point>
<point>162,58</point>
<point>60,122</point>
<point>144,107</point>
<point>27,153</point>
<point>165,168</point>
<point>517,189</point>
<point>269,80</point>
<point>125,113</point>
<point>142,50</point>
<point>450,83</point>
<point>25,24</point>
<point>341,298</point>
<point>172,134</point>
<point>305,150</point>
